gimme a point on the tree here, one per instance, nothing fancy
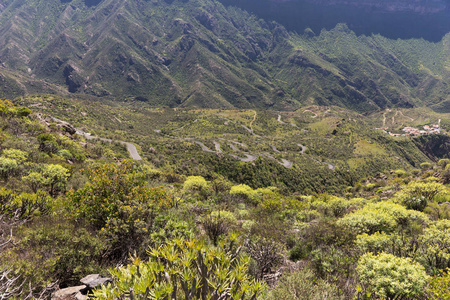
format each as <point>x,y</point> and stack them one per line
<point>184,269</point>
<point>35,181</point>
<point>56,176</point>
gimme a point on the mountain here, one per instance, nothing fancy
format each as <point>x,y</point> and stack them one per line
<point>403,19</point>
<point>200,53</point>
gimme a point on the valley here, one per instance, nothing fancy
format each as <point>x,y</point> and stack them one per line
<point>224,150</point>
<point>322,147</point>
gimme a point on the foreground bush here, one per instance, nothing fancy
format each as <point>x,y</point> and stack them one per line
<point>387,276</point>
<point>184,270</point>
<point>439,288</point>
<point>434,246</point>
<point>117,203</point>
<point>305,286</point>
<point>53,249</point>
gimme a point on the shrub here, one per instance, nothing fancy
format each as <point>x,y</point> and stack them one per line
<point>195,183</point>
<point>389,277</point>
<point>23,111</point>
<point>434,251</point>
<point>215,227</point>
<point>443,162</point>
<point>35,181</point>
<point>8,167</point>
<point>184,270</point>
<point>375,243</point>
<point>16,154</point>
<point>23,206</point>
<point>65,154</point>
<point>336,206</point>
<point>56,177</point>
<point>382,216</point>
<point>416,194</point>
<point>54,249</point>
<point>436,211</point>
<point>47,143</point>
<point>244,191</point>
<point>332,263</point>
<point>303,285</point>
<point>266,253</point>
<point>426,166</point>
<point>439,287</point>
<point>117,203</point>
<point>415,202</point>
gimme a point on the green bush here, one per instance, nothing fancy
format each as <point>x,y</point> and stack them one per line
<point>23,206</point>
<point>386,276</point>
<point>8,167</point>
<point>382,216</point>
<point>434,246</point>
<point>336,206</point>
<point>303,285</point>
<point>117,203</point>
<point>332,263</point>
<point>53,249</point>
<point>439,287</point>
<point>56,177</point>
<point>184,270</point>
<point>416,194</point>
<point>443,162</point>
<point>47,143</point>
<point>195,183</point>
<point>375,243</point>
<point>16,154</point>
<point>244,191</point>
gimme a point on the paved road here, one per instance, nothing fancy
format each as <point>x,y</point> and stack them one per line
<point>274,148</point>
<point>304,148</point>
<point>286,163</point>
<point>130,147</point>
<point>249,158</point>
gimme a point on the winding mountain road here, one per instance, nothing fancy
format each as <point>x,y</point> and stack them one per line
<point>304,148</point>
<point>130,147</point>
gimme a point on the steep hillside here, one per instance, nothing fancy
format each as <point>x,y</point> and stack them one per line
<point>403,19</point>
<point>201,54</point>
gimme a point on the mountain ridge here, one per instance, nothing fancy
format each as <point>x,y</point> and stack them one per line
<point>200,53</point>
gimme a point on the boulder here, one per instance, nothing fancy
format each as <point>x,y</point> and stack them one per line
<point>70,293</point>
<point>67,127</point>
<point>94,280</point>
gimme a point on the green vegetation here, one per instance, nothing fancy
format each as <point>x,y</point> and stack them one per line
<point>388,277</point>
<point>185,270</point>
<point>184,222</point>
<point>201,54</point>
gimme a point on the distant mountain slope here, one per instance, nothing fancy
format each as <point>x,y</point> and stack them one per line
<point>427,19</point>
<point>198,53</point>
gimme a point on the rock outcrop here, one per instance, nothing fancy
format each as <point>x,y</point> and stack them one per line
<point>80,292</point>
